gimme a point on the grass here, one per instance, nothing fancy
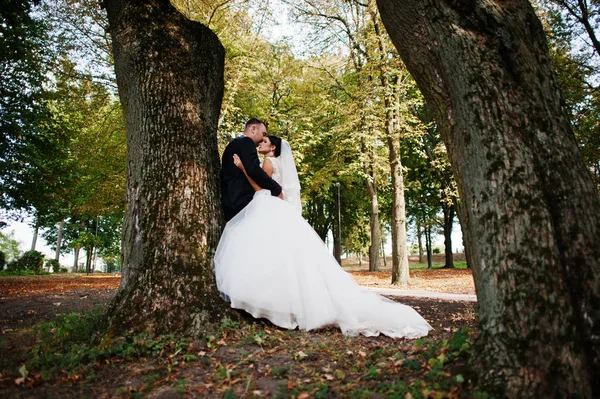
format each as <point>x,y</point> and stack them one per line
<point>320,364</point>
<point>8,273</point>
<point>437,265</point>
<point>68,346</point>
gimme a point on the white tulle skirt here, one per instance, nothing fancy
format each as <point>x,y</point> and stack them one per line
<point>273,265</point>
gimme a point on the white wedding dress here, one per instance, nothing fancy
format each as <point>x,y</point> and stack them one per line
<point>272,264</point>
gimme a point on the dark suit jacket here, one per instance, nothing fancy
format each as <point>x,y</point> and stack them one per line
<point>236,191</point>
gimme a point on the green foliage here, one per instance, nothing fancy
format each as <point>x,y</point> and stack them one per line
<point>13,270</point>
<point>64,155</point>
<point>280,371</point>
<point>24,58</point>
<point>70,343</point>
<point>228,325</point>
<point>92,50</point>
<point>103,233</point>
<point>576,66</point>
<point>423,266</point>
<point>54,265</point>
<point>9,246</point>
<point>31,260</point>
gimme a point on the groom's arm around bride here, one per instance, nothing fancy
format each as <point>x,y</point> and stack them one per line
<point>236,191</point>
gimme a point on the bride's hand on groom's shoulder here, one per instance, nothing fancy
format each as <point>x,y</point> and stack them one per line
<point>237,161</point>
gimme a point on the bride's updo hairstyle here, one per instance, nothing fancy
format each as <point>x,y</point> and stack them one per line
<point>276,141</point>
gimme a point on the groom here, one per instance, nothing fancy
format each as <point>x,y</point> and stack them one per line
<point>236,191</point>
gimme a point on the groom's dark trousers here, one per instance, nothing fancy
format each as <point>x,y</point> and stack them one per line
<point>236,191</point>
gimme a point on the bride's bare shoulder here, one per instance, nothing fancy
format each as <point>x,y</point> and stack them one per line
<point>268,166</point>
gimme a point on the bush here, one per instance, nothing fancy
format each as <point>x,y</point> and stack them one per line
<point>14,266</point>
<point>7,272</point>
<point>32,260</point>
<point>53,264</point>
<point>112,266</point>
<point>63,270</point>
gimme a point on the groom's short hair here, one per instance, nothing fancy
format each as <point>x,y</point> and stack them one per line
<point>254,121</point>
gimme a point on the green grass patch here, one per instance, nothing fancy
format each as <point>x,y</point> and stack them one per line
<point>10,273</point>
<point>70,345</point>
<point>437,265</point>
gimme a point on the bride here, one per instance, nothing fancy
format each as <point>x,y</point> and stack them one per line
<point>272,264</point>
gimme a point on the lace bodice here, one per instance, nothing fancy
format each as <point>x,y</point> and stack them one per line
<point>276,170</point>
<point>290,194</point>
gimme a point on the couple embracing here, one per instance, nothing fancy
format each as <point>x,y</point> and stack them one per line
<point>272,264</point>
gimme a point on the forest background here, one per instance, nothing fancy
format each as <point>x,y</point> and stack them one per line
<point>323,74</point>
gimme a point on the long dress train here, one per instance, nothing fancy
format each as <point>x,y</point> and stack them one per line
<point>272,264</point>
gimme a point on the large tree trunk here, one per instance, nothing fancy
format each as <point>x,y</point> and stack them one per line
<point>170,77</point>
<point>533,213</point>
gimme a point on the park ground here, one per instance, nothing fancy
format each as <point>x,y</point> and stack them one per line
<point>46,350</point>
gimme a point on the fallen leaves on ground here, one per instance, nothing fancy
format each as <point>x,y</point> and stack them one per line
<point>452,281</point>
<point>248,359</point>
<point>19,286</point>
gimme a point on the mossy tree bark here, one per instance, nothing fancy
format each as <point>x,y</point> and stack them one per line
<point>532,211</point>
<point>170,77</point>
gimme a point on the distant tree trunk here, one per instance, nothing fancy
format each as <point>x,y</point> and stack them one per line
<point>375,227</point>
<point>89,252</point>
<point>461,212</point>
<point>34,240</point>
<point>170,77</point>
<point>59,240</point>
<point>420,241</point>
<point>383,253</point>
<point>337,244</point>
<point>75,264</point>
<point>448,211</point>
<point>400,274</point>
<point>428,246</point>
<point>337,222</point>
<point>533,211</point>
<point>315,216</point>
